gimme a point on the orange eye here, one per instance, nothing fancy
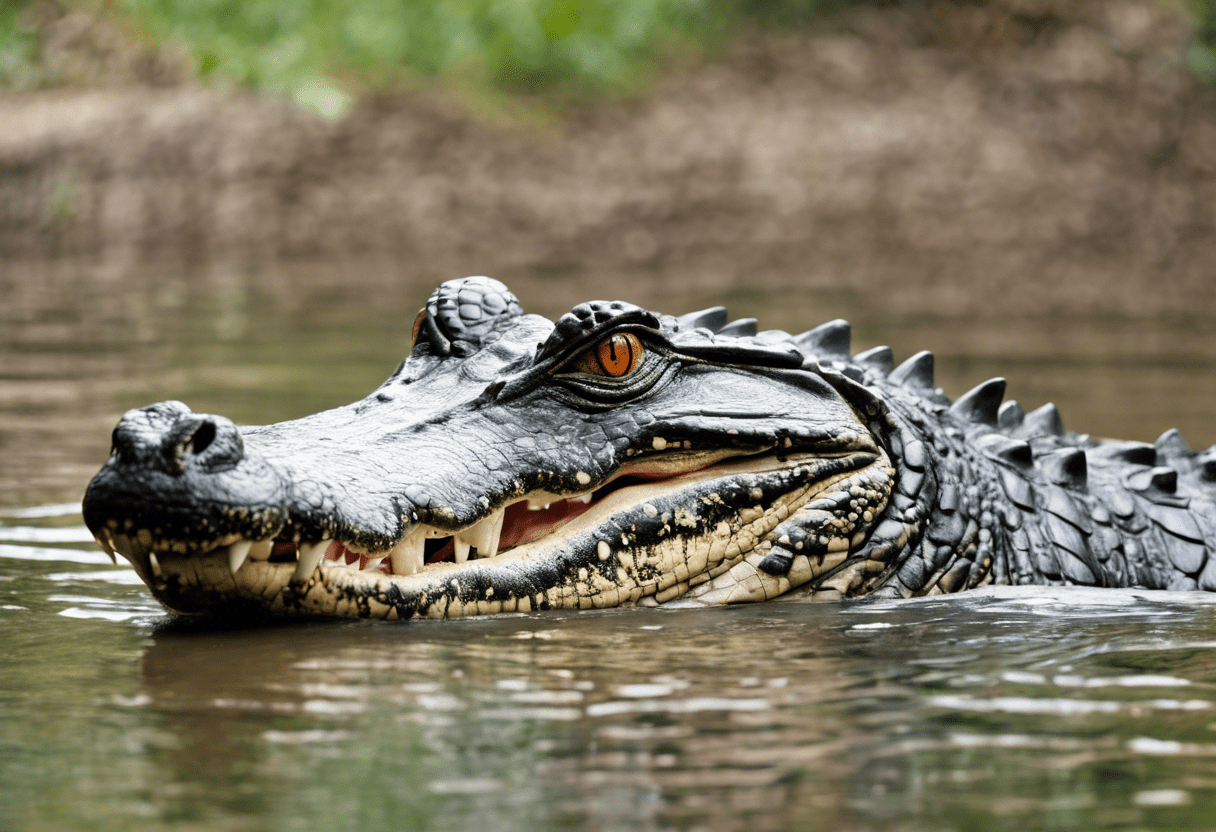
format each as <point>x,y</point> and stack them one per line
<point>616,356</point>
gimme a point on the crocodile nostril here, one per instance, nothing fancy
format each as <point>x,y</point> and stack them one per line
<point>203,437</point>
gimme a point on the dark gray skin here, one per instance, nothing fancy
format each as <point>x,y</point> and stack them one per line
<point>722,466</point>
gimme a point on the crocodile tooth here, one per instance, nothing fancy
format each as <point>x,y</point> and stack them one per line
<point>154,563</point>
<point>484,535</point>
<point>123,543</point>
<point>408,556</point>
<point>373,563</point>
<point>462,549</point>
<point>585,499</point>
<point>491,547</point>
<point>104,542</point>
<point>310,556</point>
<point>237,553</point>
<point>478,534</point>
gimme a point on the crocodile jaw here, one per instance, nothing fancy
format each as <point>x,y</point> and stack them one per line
<point>642,544</point>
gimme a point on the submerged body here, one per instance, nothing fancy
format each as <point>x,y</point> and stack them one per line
<point>621,457</point>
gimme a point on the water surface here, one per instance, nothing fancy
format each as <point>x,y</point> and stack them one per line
<point>1002,709</point>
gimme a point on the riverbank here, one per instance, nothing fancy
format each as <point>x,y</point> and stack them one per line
<point>1019,156</point>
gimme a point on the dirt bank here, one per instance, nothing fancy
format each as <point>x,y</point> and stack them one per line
<point>1017,155</point>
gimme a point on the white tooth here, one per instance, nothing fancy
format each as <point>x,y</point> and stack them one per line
<point>373,563</point>
<point>104,543</point>
<point>310,555</point>
<point>585,498</point>
<point>462,549</point>
<point>491,549</point>
<point>121,546</point>
<point>237,553</point>
<point>154,563</point>
<point>408,556</point>
<point>484,535</point>
<point>261,549</point>
<point>538,504</point>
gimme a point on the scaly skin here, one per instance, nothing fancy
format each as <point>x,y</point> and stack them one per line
<point>719,466</point>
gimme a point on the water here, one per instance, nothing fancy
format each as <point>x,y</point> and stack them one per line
<point>1009,708</point>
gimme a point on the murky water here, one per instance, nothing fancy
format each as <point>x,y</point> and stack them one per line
<point>1002,709</point>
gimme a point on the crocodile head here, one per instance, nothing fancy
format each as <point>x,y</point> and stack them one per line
<point>614,457</point>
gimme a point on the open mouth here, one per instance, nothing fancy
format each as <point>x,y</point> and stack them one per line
<point>663,490</point>
<point>521,522</point>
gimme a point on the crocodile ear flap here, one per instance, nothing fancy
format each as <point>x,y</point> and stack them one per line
<point>425,329</point>
<point>420,321</point>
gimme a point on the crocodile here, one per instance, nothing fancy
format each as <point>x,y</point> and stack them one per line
<point>620,457</point>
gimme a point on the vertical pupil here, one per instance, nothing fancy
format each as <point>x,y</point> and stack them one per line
<point>616,356</point>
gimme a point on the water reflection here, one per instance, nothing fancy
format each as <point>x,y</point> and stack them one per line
<point>618,720</point>
<point>755,718</point>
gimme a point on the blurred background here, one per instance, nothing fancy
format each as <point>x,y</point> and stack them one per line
<point>242,204</point>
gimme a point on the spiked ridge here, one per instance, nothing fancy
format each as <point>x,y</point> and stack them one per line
<point>617,457</point>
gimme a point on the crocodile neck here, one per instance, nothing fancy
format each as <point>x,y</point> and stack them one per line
<point>987,494</point>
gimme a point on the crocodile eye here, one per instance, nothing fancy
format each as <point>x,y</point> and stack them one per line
<point>616,356</point>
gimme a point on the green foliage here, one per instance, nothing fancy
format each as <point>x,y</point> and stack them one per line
<point>794,12</point>
<point>1202,55</point>
<point>295,46</point>
<point>19,49</point>
<point>315,51</point>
